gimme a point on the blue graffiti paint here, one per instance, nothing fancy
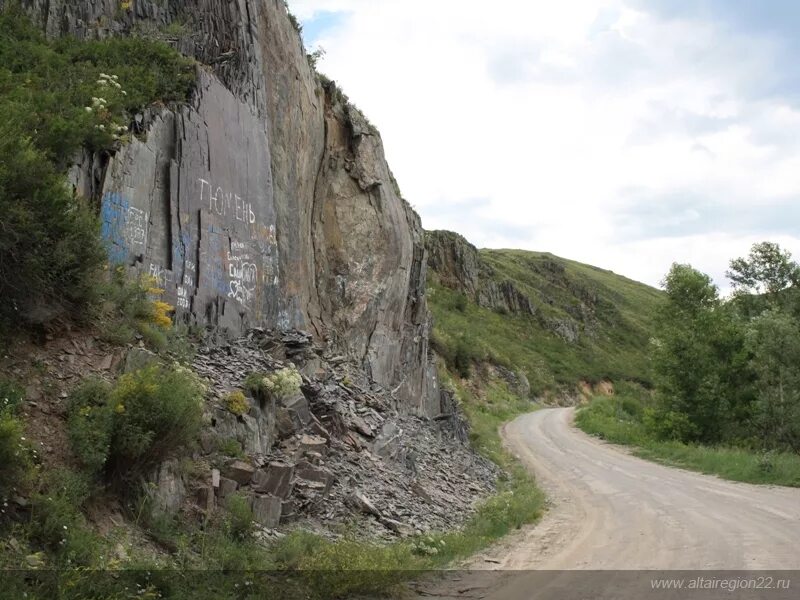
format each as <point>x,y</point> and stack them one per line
<point>113,215</point>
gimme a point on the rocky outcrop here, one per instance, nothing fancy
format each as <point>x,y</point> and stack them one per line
<point>266,201</point>
<point>556,301</point>
<point>458,265</point>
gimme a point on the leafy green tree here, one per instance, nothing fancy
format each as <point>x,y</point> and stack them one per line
<point>768,270</point>
<point>774,340</point>
<point>699,361</point>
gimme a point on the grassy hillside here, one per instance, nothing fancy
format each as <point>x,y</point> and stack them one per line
<point>612,315</point>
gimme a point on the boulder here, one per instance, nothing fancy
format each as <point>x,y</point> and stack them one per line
<point>284,423</point>
<point>297,408</point>
<point>169,491</point>
<point>267,510</point>
<point>274,479</point>
<point>320,475</point>
<point>313,443</point>
<point>240,471</point>
<point>226,487</point>
<point>205,498</point>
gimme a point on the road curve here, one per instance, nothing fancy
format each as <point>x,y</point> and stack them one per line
<point>623,512</point>
<point>609,510</point>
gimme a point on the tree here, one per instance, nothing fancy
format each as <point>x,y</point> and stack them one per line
<point>774,341</point>
<point>767,270</point>
<point>689,290</point>
<point>698,359</point>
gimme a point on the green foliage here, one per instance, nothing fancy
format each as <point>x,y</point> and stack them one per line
<point>11,396</point>
<point>767,269</point>
<point>606,418</point>
<point>460,302</point>
<point>239,519</point>
<point>57,522</point>
<point>131,307</point>
<point>90,424</point>
<point>773,340</point>
<point>15,456</point>
<point>50,253</point>
<point>293,20</point>
<point>237,402</point>
<point>729,372</point>
<point>129,428</point>
<point>157,411</point>
<point>57,96</point>
<point>699,360</point>
<point>231,447</point>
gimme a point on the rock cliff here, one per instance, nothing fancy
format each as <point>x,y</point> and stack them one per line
<point>265,201</point>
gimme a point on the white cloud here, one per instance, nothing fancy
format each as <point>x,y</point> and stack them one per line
<point>552,112</point>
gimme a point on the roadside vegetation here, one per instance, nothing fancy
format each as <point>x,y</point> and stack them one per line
<point>727,375</point>
<point>621,419</point>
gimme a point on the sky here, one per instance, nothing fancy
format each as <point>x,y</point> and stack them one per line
<point>628,134</point>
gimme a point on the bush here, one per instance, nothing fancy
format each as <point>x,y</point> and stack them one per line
<point>15,456</point>
<point>280,384</point>
<point>239,520</point>
<point>131,306</point>
<point>50,250</point>
<point>89,424</point>
<point>231,447</point>
<point>157,410</point>
<point>237,403</point>
<point>129,428</point>
<point>669,424</point>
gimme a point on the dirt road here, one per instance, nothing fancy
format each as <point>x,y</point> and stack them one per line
<point>610,510</point>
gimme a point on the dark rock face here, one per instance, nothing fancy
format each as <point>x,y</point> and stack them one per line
<point>266,201</point>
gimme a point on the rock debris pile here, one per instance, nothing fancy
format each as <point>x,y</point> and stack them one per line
<point>333,449</point>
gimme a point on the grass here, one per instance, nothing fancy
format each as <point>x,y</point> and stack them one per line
<point>613,345</point>
<point>618,420</point>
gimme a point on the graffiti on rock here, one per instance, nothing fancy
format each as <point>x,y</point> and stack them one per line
<point>124,227</point>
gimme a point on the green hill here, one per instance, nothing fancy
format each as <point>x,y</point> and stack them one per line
<point>557,321</point>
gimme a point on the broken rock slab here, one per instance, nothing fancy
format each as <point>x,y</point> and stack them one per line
<point>274,479</point>
<point>360,502</point>
<point>312,443</point>
<point>307,472</point>
<point>205,498</point>
<point>240,471</point>
<point>297,406</point>
<point>169,490</point>
<point>267,510</point>
<point>226,487</point>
